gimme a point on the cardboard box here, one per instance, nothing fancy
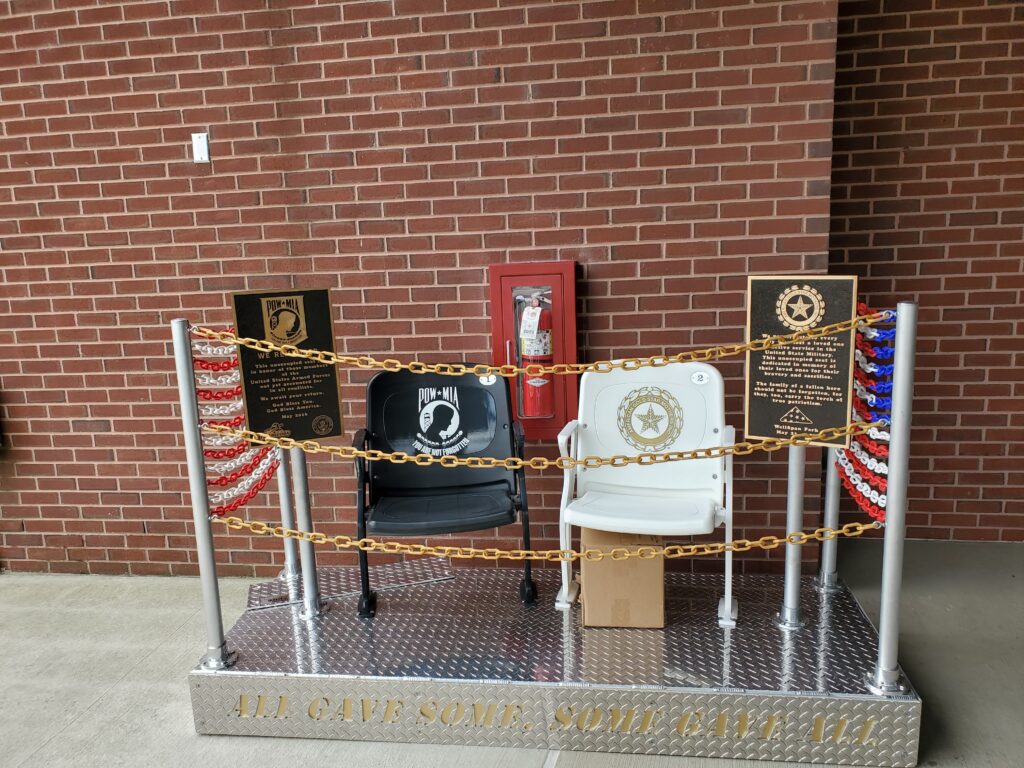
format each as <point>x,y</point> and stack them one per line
<point>622,593</point>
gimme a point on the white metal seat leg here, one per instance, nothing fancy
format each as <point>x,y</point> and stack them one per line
<point>567,594</point>
<point>570,587</point>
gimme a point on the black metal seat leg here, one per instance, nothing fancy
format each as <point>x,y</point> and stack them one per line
<point>527,587</point>
<point>368,598</point>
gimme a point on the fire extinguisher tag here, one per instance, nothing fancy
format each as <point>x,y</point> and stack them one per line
<point>537,346</point>
<point>529,322</point>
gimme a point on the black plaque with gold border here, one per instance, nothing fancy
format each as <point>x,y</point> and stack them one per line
<point>803,387</point>
<point>288,396</point>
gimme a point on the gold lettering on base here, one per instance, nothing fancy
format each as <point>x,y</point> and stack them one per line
<point>722,724</point>
<point>773,725</point>
<point>838,735</point>
<point>393,711</point>
<point>689,723</point>
<point>452,713</point>
<point>484,715</point>
<point>511,716</point>
<point>244,708</point>
<point>428,713</point>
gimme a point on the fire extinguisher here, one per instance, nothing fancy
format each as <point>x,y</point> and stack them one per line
<point>535,345</point>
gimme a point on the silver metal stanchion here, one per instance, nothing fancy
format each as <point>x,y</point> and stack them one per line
<point>828,578</point>
<point>284,492</point>
<point>789,616</point>
<point>304,522</point>
<point>886,678</point>
<point>217,656</point>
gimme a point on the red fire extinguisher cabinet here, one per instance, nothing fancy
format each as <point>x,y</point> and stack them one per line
<point>533,320</point>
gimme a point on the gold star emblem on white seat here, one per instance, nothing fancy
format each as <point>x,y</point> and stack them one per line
<point>649,420</point>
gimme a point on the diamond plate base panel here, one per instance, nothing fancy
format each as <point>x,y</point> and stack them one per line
<point>461,661</point>
<point>338,582</point>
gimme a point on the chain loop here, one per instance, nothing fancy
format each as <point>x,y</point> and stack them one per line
<point>671,552</point>
<point>535,369</point>
<point>540,462</point>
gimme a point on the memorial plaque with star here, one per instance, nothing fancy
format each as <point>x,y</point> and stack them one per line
<point>803,387</point>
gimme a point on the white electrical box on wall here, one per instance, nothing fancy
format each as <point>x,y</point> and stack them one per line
<point>200,147</point>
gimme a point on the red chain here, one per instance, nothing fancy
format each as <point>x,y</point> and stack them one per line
<point>864,377</point>
<point>222,394</point>
<point>866,347</point>
<point>862,501</point>
<point>248,496</point>
<point>246,470</point>
<point>226,453</point>
<point>215,365</point>
<point>874,448</point>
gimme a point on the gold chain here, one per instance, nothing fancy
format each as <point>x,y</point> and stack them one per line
<point>536,369</point>
<point>539,462</point>
<point>671,552</point>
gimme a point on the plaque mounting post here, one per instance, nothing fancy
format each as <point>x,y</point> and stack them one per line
<point>217,656</point>
<point>789,616</point>
<point>828,578</point>
<point>284,491</point>
<point>304,522</point>
<point>887,678</point>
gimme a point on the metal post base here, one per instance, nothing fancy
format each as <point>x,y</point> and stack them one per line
<point>310,612</point>
<point>897,687</point>
<point>222,660</point>
<point>788,624</point>
<point>727,619</point>
<point>829,583</point>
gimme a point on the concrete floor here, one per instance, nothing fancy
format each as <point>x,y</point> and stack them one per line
<point>94,669</point>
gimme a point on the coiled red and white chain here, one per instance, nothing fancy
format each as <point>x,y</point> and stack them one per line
<point>241,471</point>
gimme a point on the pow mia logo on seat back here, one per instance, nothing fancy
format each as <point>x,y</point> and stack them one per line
<point>650,418</point>
<point>440,430</point>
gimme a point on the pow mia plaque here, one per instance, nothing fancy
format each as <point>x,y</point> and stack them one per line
<point>288,396</point>
<point>803,387</point>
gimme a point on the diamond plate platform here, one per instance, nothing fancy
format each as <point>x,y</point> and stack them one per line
<point>458,660</point>
<point>339,582</point>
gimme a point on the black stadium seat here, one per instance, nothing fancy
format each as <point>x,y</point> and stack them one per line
<point>439,416</point>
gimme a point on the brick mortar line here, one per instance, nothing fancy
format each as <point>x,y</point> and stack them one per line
<point>120,131</point>
<point>294,27</point>
<point>381,217</point>
<point>497,158</point>
<point>446,51</point>
<point>406,74</point>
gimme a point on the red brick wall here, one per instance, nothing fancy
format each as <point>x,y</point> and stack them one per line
<point>928,205</point>
<point>391,151</point>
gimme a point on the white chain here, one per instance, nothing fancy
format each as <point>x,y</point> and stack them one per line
<point>862,485</point>
<point>219,497</point>
<point>214,350</point>
<point>227,467</point>
<point>869,461</point>
<point>211,439</point>
<point>878,434</point>
<point>864,363</point>
<point>224,380</point>
<point>220,409</point>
